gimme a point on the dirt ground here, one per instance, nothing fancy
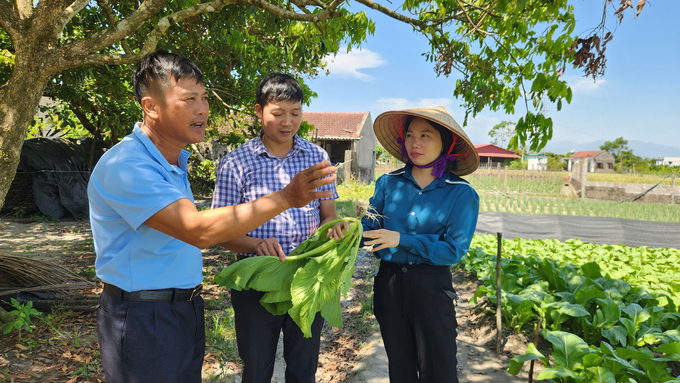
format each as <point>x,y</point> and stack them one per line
<point>63,345</point>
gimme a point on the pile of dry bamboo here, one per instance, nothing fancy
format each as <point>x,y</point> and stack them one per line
<point>21,274</point>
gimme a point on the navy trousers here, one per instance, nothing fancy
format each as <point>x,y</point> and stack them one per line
<point>414,307</point>
<point>149,342</point>
<point>257,334</point>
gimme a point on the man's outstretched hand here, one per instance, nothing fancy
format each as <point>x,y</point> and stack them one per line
<point>301,189</point>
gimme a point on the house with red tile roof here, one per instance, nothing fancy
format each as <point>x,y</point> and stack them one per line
<point>344,134</point>
<point>492,155</point>
<point>598,160</point>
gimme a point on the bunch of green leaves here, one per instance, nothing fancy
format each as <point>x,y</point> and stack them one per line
<point>22,317</point>
<point>619,325</point>
<point>657,270</point>
<point>310,280</point>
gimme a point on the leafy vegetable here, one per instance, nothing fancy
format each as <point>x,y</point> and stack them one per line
<point>309,281</point>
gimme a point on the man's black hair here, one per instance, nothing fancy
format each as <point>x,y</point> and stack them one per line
<point>159,67</point>
<point>278,87</point>
<point>446,137</point>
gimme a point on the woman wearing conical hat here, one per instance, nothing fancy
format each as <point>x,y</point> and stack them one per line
<point>426,217</point>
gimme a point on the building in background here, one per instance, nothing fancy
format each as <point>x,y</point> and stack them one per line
<point>670,161</point>
<point>347,138</point>
<point>537,161</point>
<point>491,155</point>
<point>599,161</point>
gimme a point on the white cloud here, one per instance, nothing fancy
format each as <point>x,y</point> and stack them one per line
<point>384,104</point>
<point>349,64</point>
<point>586,86</point>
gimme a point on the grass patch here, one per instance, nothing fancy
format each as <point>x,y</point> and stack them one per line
<point>645,179</point>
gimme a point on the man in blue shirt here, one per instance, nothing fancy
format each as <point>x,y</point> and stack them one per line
<point>148,233</point>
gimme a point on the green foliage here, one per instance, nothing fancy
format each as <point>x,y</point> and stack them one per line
<point>611,320</point>
<point>504,50</point>
<point>309,281</point>
<point>501,133</point>
<point>201,176</point>
<point>616,147</point>
<point>522,204</point>
<point>22,317</point>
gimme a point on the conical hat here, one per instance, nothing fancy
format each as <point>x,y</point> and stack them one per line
<point>388,125</point>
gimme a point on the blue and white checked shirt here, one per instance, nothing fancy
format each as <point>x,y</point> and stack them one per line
<point>251,172</point>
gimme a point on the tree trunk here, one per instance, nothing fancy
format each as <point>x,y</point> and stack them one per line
<point>19,99</point>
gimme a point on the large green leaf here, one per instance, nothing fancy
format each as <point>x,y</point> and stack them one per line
<point>616,335</point>
<point>516,363</point>
<point>556,372</point>
<point>600,375</point>
<point>568,349</point>
<point>671,351</point>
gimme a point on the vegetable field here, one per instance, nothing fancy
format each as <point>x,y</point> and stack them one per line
<point>610,313</point>
<point>579,207</point>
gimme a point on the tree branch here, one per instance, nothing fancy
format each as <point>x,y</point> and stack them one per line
<point>7,15</point>
<point>71,11</point>
<point>393,14</point>
<point>75,53</point>
<point>104,4</point>
<point>81,52</point>
<point>25,8</point>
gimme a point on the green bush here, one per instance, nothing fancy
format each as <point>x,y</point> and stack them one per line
<point>202,176</point>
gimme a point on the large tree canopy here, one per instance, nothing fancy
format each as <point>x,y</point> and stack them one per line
<point>509,52</point>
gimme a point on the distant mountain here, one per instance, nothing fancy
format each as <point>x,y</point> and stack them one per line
<point>640,148</point>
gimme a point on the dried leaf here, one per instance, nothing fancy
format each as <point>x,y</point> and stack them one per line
<point>21,347</point>
<point>640,5</point>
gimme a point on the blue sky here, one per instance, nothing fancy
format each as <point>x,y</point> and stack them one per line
<point>638,97</point>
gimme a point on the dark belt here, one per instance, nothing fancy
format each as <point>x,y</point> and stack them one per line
<point>422,268</point>
<point>164,295</point>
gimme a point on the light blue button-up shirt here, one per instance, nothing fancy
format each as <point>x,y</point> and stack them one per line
<point>436,224</point>
<point>131,182</point>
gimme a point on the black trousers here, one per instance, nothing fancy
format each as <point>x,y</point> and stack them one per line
<point>257,334</point>
<point>149,342</point>
<point>414,307</point>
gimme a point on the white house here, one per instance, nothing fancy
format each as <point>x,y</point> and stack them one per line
<point>537,161</point>
<point>671,161</point>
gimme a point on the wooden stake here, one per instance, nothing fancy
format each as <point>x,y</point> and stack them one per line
<point>531,366</point>
<point>499,323</point>
<point>673,188</point>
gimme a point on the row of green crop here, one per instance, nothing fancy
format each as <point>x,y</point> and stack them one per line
<point>526,182</point>
<point>605,323</point>
<point>579,207</point>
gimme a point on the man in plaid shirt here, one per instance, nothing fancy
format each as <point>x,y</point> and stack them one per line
<point>263,165</point>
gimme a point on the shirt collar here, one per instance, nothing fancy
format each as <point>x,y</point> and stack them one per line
<point>156,154</point>
<point>260,149</point>
<point>437,183</point>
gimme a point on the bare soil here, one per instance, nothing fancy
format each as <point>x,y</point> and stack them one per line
<point>63,344</point>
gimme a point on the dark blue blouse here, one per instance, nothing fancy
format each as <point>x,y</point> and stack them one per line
<point>436,223</point>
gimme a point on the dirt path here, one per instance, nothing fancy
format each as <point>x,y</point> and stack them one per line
<point>66,349</point>
<point>477,359</point>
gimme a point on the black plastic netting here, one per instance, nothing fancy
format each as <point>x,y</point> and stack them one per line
<point>59,169</point>
<point>600,230</point>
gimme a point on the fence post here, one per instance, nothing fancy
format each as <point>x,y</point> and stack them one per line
<point>673,188</point>
<point>536,332</point>
<point>584,176</point>
<point>506,180</point>
<point>499,323</point>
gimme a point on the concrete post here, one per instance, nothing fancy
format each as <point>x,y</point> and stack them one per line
<point>673,188</point>
<point>584,177</point>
